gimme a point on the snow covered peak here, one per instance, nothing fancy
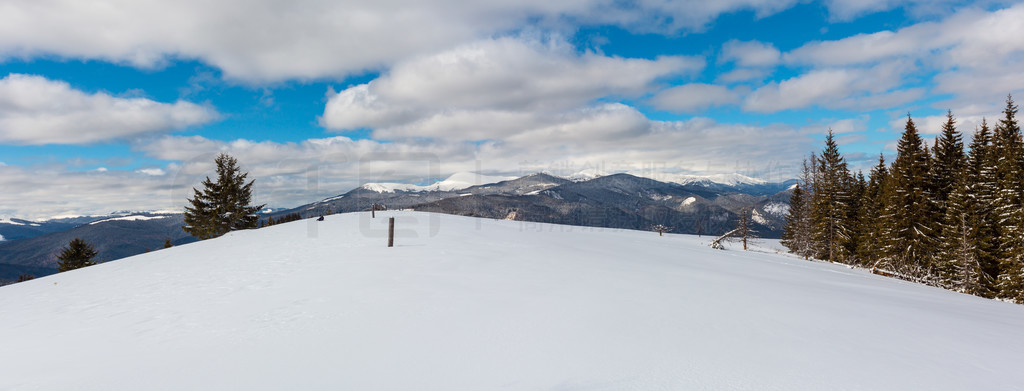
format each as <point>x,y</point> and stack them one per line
<point>131,217</point>
<point>456,181</point>
<point>462,180</point>
<point>586,175</point>
<point>390,187</point>
<point>707,180</point>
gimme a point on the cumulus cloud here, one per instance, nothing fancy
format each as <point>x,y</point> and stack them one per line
<point>875,87</point>
<point>273,40</point>
<point>976,53</point>
<point>35,110</point>
<point>750,53</point>
<point>491,88</point>
<point>690,98</point>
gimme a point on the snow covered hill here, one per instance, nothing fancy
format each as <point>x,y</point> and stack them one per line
<point>475,304</point>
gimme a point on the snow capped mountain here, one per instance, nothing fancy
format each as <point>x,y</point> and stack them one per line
<point>721,179</point>
<point>682,179</point>
<point>586,175</point>
<point>131,217</point>
<point>457,181</point>
<point>389,187</point>
<point>463,180</point>
<point>481,304</point>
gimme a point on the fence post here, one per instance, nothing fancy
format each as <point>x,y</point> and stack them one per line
<point>391,232</point>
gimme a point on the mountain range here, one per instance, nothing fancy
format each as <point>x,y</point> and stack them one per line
<point>687,204</point>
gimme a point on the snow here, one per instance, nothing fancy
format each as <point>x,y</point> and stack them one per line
<point>129,218</point>
<point>11,222</point>
<point>586,175</point>
<point>2,238</point>
<point>722,179</point>
<point>330,199</point>
<point>756,216</point>
<point>462,180</point>
<point>689,200</point>
<point>457,181</point>
<point>777,209</point>
<point>481,304</point>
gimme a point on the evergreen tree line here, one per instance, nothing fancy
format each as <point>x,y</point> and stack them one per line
<point>282,219</point>
<point>947,216</point>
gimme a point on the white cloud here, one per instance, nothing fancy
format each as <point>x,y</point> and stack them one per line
<point>690,98</point>
<point>273,40</point>
<point>491,88</point>
<point>151,171</point>
<point>35,110</point>
<point>975,57</point>
<point>750,53</point>
<point>803,91</point>
<point>851,88</point>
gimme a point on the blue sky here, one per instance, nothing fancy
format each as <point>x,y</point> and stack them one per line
<point>121,104</point>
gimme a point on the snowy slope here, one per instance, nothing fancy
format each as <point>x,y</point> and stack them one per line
<point>484,305</point>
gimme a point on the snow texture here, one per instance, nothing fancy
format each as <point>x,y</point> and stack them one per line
<point>756,216</point>
<point>777,209</point>
<point>130,218</point>
<point>477,304</point>
<point>722,179</point>
<point>457,181</point>
<point>586,175</point>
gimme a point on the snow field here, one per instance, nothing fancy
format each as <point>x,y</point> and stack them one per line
<point>476,304</point>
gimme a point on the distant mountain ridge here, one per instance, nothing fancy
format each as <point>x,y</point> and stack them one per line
<point>616,200</point>
<point>588,199</point>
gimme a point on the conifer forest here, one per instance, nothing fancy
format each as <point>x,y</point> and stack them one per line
<point>946,215</point>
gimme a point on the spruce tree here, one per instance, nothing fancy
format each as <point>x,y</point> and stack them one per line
<point>796,233</point>
<point>1008,149</point>
<point>959,257</point>
<point>984,188</point>
<point>948,163</point>
<point>868,249</point>
<point>222,206</point>
<point>908,217</point>
<point>830,200</point>
<point>858,230</point>
<point>77,254</point>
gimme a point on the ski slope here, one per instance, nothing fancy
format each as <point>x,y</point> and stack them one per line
<point>475,304</point>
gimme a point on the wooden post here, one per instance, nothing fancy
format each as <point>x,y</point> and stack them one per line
<point>391,232</point>
<point>373,211</point>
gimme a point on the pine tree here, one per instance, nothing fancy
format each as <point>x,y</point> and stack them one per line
<point>949,161</point>
<point>830,202</point>
<point>796,234</point>
<point>858,186</point>
<point>222,206</point>
<point>868,249</point>
<point>958,261</point>
<point>77,254</point>
<point>167,243</point>
<point>908,217</point>
<point>1008,149</point>
<point>984,189</point>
